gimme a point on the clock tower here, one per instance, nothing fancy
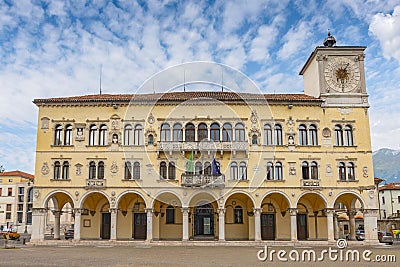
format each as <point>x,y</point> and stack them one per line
<point>336,75</point>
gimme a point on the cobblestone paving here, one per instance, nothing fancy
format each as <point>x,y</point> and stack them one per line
<point>148,255</point>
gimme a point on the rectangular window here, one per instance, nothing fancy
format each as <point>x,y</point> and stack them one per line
<point>1,192</point>
<point>9,192</point>
<point>383,200</point>
<point>20,207</point>
<point>8,215</point>
<point>8,207</point>
<point>20,190</point>
<point>19,215</point>
<point>398,199</point>
<point>21,198</point>
<point>10,180</point>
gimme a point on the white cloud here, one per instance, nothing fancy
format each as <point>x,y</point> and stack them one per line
<point>295,39</point>
<point>386,28</point>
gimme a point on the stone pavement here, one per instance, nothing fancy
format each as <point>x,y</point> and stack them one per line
<point>103,253</point>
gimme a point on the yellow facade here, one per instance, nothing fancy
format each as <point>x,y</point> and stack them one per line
<point>290,165</point>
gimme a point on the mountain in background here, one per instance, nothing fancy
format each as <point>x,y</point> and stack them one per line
<point>387,164</point>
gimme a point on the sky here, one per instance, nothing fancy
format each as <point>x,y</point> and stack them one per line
<point>57,48</point>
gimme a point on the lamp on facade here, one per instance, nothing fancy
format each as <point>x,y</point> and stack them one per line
<point>283,213</point>
<point>136,206</point>
<point>124,212</point>
<point>250,213</point>
<point>92,212</point>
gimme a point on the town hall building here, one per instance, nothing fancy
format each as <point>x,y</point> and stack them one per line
<point>209,165</point>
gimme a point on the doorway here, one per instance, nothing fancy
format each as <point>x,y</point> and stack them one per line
<point>302,233</point>
<point>267,226</point>
<point>204,220</point>
<point>105,225</point>
<point>139,225</point>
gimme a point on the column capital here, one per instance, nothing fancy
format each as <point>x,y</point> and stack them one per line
<point>78,211</point>
<point>149,210</point>
<point>185,210</point>
<point>39,211</point>
<point>257,211</point>
<point>330,211</point>
<point>56,212</point>
<point>351,213</point>
<point>293,211</point>
<point>370,212</point>
<point>113,210</point>
<point>221,211</point>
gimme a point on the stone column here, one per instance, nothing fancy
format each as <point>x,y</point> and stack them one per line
<point>77,224</point>
<point>293,224</point>
<point>257,224</point>
<point>336,225</point>
<point>149,236</point>
<point>221,224</point>
<point>330,224</point>
<point>352,222</point>
<point>57,215</point>
<point>185,224</point>
<point>38,224</point>
<point>114,215</point>
<point>371,225</point>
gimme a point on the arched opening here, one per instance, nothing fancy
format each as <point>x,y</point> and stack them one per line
<point>311,218</point>
<point>96,217</point>
<point>168,217</point>
<point>239,217</point>
<point>60,216</point>
<point>275,218</point>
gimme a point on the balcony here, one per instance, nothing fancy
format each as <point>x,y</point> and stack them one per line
<point>310,183</point>
<point>172,146</point>
<point>200,180</point>
<point>95,183</point>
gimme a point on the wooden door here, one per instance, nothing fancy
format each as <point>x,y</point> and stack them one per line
<point>139,225</point>
<point>105,225</point>
<point>302,232</point>
<point>268,226</point>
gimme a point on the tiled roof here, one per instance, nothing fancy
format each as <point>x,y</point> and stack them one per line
<point>179,96</point>
<point>391,186</point>
<point>18,174</point>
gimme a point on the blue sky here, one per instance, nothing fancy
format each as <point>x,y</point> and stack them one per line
<point>55,48</point>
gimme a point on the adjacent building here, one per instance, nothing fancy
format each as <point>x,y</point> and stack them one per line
<point>16,197</point>
<point>389,202</point>
<point>213,165</point>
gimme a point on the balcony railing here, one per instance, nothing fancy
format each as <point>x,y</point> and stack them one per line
<point>310,183</point>
<point>200,180</point>
<point>204,145</point>
<point>95,183</point>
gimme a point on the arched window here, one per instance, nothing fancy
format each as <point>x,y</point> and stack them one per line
<point>278,135</point>
<point>165,132</point>
<point>314,170</point>
<point>163,170</point>
<point>350,172</point>
<point>58,135</point>
<point>128,171</point>
<point>177,135</point>
<point>170,215</point>
<point>338,135</point>
<point>201,132</point>
<point>68,135</point>
<point>150,139</point>
<point>171,171</point>
<point>65,170</point>
<point>92,170</point>
<point>242,171</point>
<point>227,132</point>
<point>342,171</point>
<point>278,171</point>
<point>30,194</point>
<point>254,139</point>
<point>348,135</point>
<point>267,135</point>
<point>302,135</point>
<point>57,170</point>
<point>198,168</point>
<point>234,171</point>
<point>270,171</point>
<point>128,135</point>
<point>239,132</point>
<point>103,135</point>
<point>214,131</point>
<point>312,130</point>
<point>238,212</point>
<point>138,135</point>
<point>189,132</point>
<point>93,135</point>
<point>207,168</point>
<point>136,170</point>
<point>305,170</point>
<point>100,170</point>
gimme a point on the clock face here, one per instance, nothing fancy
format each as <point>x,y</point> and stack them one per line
<point>342,74</point>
